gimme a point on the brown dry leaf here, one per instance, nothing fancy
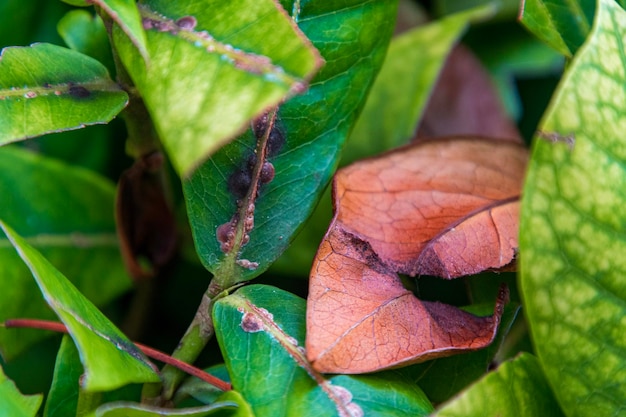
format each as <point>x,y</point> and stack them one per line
<point>464,101</point>
<point>446,207</point>
<point>145,222</point>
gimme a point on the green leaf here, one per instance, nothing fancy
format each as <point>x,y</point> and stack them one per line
<point>516,388</point>
<point>214,70</point>
<point>13,403</point>
<point>128,409</point>
<point>63,396</point>
<point>352,36</point>
<point>67,213</point>
<point>562,24</point>
<point>201,390</point>
<point>109,358</point>
<point>405,82</point>
<point>46,88</point>
<point>572,227</point>
<point>126,15</point>
<point>85,33</point>
<point>260,330</point>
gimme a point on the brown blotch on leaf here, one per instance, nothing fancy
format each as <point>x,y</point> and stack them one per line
<point>145,221</point>
<point>78,91</point>
<point>225,234</point>
<point>250,323</point>
<point>267,173</point>
<point>187,23</point>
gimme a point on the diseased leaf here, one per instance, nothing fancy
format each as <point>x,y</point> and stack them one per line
<point>63,396</point>
<point>260,330</point>
<point>562,24</point>
<point>302,152</point>
<point>67,214</point>
<point>233,71</point>
<point>446,207</point>
<point>444,378</point>
<point>13,403</point>
<point>572,227</point>
<point>109,358</point>
<point>515,388</point>
<point>46,88</point>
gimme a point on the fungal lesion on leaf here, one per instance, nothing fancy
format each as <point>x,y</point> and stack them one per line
<point>246,183</point>
<point>555,137</point>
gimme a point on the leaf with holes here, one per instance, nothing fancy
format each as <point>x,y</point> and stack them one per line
<point>233,71</point>
<point>260,330</point>
<point>572,227</point>
<point>46,88</point>
<point>109,358</point>
<point>446,207</point>
<point>245,207</point>
<point>562,24</point>
<point>67,214</point>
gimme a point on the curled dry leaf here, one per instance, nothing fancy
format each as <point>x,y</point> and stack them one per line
<point>145,222</point>
<point>446,207</point>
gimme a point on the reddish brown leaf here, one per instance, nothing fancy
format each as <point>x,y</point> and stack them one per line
<point>465,102</point>
<point>145,222</point>
<point>446,207</point>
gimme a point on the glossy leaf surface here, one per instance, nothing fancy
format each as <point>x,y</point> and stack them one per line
<point>13,403</point>
<point>46,88</point>
<point>261,329</point>
<point>232,71</point>
<point>308,134</point>
<point>85,32</point>
<point>515,388</point>
<point>446,207</point>
<point>109,358</point>
<point>572,228</point>
<point>562,24</point>
<point>67,214</point>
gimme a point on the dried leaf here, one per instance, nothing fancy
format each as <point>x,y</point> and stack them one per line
<point>465,102</point>
<point>447,207</point>
<point>145,222</point>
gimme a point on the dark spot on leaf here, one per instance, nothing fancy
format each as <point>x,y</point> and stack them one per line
<point>251,323</point>
<point>239,182</point>
<point>225,234</point>
<point>275,140</point>
<point>187,22</point>
<point>78,91</point>
<point>267,173</point>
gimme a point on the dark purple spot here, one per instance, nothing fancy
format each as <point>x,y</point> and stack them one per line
<point>267,172</point>
<point>78,91</point>
<point>187,23</point>
<point>239,182</point>
<point>275,141</point>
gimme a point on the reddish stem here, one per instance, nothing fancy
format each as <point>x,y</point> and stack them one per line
<point>148,351</point>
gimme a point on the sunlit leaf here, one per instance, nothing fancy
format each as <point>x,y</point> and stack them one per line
<point>302,148</point>
<point>572,229</point>
<point>232,70</point>
<point>46,88</point>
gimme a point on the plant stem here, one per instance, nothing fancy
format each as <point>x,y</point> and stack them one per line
<point>198,334</point>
